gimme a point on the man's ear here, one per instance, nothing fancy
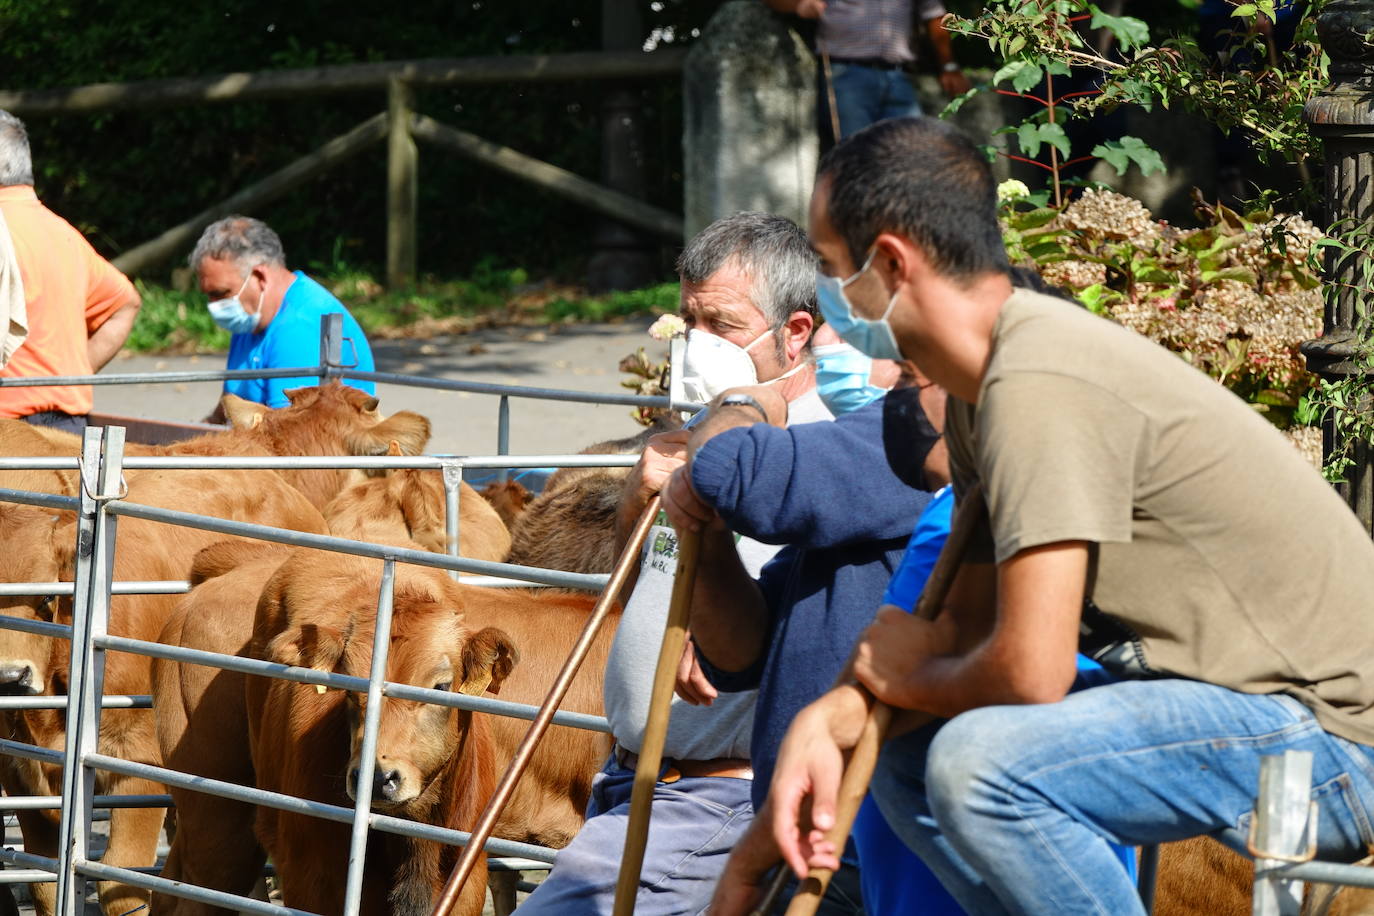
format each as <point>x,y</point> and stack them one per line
<point>796,333</point>
<point>488,659</point>
<point>240,413</point>
<point>898,260</point>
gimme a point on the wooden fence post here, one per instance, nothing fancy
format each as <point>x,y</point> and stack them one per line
<point>1343,116</point>
<point>402,186</point>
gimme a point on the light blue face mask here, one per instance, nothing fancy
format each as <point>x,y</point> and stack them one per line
<point>871,336</point>
<point>842,378</point>
<point>231,315</point>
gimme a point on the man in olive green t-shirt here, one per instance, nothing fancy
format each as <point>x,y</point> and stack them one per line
<point>1134,506</point>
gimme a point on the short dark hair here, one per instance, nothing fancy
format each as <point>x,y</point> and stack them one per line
<point>771,249</point>
<point>924,179</point>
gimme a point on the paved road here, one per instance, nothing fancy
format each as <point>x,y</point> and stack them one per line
<point>578,357</point>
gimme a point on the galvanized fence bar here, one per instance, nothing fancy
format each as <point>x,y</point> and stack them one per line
<point>51,802</point>
<point>337,813</point>
<point>59,589</point>
<point>358,548</point>
<point>503,434</point>
<point>367,754</point>
<point>359,462</point>
<point>146,378</point>
<point>102,451</point>
<point>453,518</point>
<point>160,885</point>
<point>1284,830</point>
<point>521,391</point>
<point>108,701</point>
<point>301,675</point>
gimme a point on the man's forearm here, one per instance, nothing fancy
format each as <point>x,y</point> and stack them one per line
<point>940,41</point>
<point>730,621</point>
<point>106,340</point>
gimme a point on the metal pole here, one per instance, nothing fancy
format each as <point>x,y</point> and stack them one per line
<point>503,435</point>
<point>1284,826</point>
<point>102,453</point>
<point>453,486</point>
<point>467,860</point>
<point>367,754</point>
<point>331,345</point>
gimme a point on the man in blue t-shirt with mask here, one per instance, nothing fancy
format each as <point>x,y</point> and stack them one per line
<point>274,314</point>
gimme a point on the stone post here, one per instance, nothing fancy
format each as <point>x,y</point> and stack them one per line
<point>1343,117</point>
<point>624,257</point>
<point>749,118</point>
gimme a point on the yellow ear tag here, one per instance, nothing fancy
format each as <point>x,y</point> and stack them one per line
<point>477,686</point>
<point>320,688</point>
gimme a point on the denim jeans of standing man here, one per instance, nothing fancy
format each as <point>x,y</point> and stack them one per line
<point>1013,807</point>
<point>866,95</point>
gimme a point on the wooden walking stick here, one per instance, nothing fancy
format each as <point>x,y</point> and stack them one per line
<point>525,752</point>
<point>656,730</point>
<point>864,757</point>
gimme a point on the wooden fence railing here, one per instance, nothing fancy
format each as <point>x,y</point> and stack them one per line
<point>398,125</point>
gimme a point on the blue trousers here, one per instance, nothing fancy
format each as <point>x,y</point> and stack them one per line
<point>866,95</point>
<point>1015,808</point>
<point>695,825</point>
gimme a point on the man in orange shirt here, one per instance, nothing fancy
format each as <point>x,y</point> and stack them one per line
<point>80,307</point>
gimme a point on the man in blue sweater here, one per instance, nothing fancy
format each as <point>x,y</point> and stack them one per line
<point>274,314</point>
<point>828,492</point>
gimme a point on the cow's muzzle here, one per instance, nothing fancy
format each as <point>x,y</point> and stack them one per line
<point>387,784</point>
<point>17,680</point>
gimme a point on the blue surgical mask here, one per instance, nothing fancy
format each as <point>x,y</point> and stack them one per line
<point>842,378</point>
<point>871,336</point>
<point>231,315</point>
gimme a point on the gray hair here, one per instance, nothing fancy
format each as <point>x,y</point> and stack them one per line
<point>16,164</point>
<point>241,240</point>
<point>771,249</point>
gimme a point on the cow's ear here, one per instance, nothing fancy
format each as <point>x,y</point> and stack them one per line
<point>242,414</point>
<point>309,646</point>
<point>488,659</point>
<point>423,517</point>
<point>408,430</point>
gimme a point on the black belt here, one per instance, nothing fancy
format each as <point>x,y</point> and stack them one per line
<point>875,63</point>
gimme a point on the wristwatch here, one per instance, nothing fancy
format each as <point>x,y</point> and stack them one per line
<point>739,399</point>
<point>951,66</point>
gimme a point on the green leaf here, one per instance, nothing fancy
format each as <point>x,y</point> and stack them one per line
<point>1029,136</point>
<point>1243,274</point>
<point>1119,154</point>
<point>1098,298</point>
<point>1034,219</point>
<point>1128,31</point>
<point>1023,74</point>
<point>1245,10</point>
<point>958,101</point>
<point>1044,249</point>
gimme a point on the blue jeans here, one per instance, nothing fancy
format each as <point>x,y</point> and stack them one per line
<point>695,825</point>
<point>866,95</point>
<point>1014,807</point>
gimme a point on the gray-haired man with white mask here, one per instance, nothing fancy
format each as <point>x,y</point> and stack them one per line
<point>749,302</point>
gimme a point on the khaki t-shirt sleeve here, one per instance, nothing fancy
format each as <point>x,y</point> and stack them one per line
<point>107,289</point>
<point>1058,459</point>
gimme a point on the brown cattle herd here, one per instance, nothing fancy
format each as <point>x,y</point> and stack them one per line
<point>317,609</point>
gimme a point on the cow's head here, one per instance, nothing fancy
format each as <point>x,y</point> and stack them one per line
<point>417,742</point>
<point>34,552</point>
<point>330,419</point>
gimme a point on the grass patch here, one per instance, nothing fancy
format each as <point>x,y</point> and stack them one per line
<point>651,300</point>
<point>178,322</point>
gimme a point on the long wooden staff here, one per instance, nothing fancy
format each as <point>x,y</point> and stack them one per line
<point>525,752</point>
<point>656,730</point>
<point>863,759</point>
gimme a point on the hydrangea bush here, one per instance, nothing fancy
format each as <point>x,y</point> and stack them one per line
<point>1234,297</point>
